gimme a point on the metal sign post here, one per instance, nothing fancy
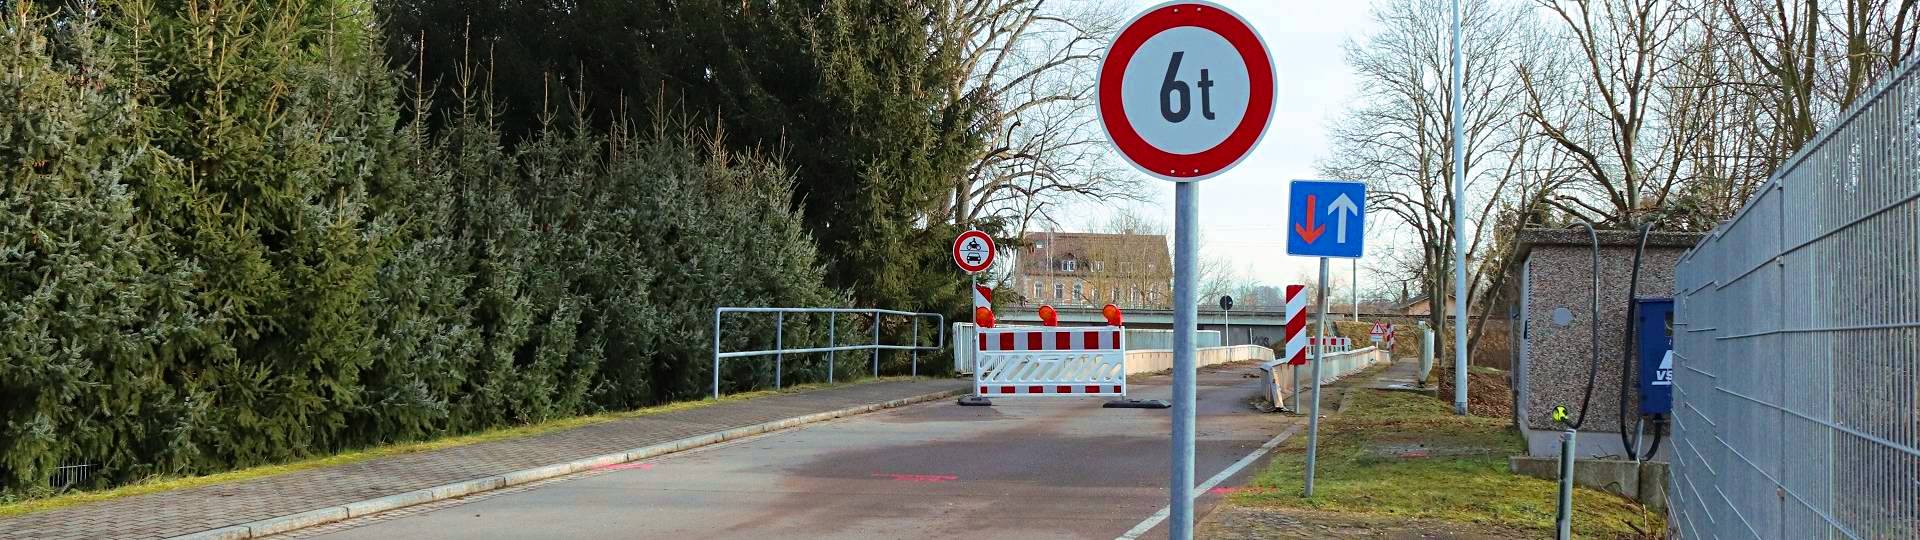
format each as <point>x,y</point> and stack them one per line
<point>1355,284</point>
<point>1319,357</point>
<point>1226,312</point>
<point>1185,92</point>
<point>1324,232</point>
<point>973,252</point>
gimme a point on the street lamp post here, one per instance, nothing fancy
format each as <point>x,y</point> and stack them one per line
<point>1459,299</point>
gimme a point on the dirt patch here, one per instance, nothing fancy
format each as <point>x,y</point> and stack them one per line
<point>1233,522</point>
<point>1422,450</point>
<point>1489,393</point>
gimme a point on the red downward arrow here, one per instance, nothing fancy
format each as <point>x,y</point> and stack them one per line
<point>1310,232</point>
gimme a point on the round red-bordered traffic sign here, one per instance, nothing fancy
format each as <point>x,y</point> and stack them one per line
<point>973,251</point>
<point>1160,145</point>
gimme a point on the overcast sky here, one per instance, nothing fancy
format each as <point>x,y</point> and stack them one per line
<point>1243,211</point>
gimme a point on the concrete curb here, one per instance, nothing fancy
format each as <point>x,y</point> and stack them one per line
<point>322,516</point>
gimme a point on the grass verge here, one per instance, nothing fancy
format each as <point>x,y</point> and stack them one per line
<point>169,483</point>
<point>1406,456</point>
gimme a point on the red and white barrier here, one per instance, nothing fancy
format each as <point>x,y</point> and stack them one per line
<point>1035,361</point>
<point>1296,325</point>
<point>1334,344</point>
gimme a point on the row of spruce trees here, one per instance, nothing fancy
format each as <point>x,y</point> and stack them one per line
<point>231,234</point>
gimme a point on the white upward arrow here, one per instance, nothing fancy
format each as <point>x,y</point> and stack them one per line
<point>1340,208</point>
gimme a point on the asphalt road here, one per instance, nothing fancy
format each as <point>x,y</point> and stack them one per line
<point>1030,468</point>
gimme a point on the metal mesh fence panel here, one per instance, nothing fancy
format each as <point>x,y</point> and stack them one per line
<point>1798,339</point>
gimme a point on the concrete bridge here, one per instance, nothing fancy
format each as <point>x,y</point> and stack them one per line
<point>1251,325</point>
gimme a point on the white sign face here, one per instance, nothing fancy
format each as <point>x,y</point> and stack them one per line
<point>1186,89</point>
<point>974,252</point>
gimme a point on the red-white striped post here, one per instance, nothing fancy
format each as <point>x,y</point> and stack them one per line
<point>1296,335</point>
<point>1297,325</point>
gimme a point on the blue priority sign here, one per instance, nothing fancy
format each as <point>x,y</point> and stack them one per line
<point>1327,218</point>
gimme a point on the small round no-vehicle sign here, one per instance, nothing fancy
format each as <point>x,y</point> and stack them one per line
<point>1186,90</point>
<point>973,251</point>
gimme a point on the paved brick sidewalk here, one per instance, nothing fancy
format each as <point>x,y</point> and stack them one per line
<point>160,515</point>
<point>1403,375</point>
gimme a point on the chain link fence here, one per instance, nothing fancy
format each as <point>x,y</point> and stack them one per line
<point>1798,340</point>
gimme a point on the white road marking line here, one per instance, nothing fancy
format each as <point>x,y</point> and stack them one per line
<point>1157,517</point>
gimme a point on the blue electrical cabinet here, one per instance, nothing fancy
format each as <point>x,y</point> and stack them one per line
<point>1655,327</point>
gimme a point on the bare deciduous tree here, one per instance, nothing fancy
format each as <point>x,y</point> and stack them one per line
<point>1398,137</point>
<point>1031,63</point>
<point>1612,105</point>
<point>1768,76</point>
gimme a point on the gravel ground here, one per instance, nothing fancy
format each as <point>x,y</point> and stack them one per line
<point>1231,522</point>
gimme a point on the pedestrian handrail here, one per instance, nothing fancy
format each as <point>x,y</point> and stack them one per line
<point>1338,365</point>
<point>779,350</point>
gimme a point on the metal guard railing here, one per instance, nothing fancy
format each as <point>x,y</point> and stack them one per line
<point>779,350</point>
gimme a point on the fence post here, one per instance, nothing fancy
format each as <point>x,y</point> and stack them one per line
<point>833,319</point>
<point>779,346</point>
<point>916,347</point>
<point>716,352</point>
<point>876,343</point>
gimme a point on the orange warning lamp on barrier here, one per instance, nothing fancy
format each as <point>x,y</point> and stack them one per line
<point>1049,316</point>
<point>983,317</point>
<point>1112,312</point>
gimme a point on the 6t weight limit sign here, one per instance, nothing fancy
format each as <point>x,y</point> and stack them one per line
<point>1173,86</point>
<point>1186,90</point>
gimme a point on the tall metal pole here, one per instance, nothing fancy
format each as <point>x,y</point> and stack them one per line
<point>1226,337</point>
<point>1459,227</point>
<point>1186,279</point>
<point>1356,290</point>
<point>1319,354</point>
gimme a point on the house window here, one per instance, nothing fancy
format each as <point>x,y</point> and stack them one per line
<point>1036,290</point>
<point>1113,295</point>
<point>1151,267</point>
<point>1059,291</point>
<point>1136,296</point>
<point>1076,292</point>
<point>1066,265</point>
<point>1097,266</point>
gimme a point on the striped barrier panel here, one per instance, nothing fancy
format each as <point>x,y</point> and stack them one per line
<point>1333,344</point>
<point>1039,361</point>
